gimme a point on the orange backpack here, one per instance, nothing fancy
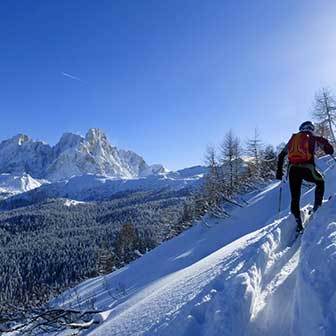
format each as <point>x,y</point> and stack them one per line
<point>300,148</point>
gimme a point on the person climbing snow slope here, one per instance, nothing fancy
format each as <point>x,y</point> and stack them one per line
<point>301,149</point>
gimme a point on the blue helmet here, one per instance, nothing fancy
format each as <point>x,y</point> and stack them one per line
<point>307,126</point>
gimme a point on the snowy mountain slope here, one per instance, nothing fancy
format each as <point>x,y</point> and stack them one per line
<point>93,154</point>
<point>174,273</point>
<point>21,154</point>
<point>316,276</point>
<point>73,155</point>
<point>95,187</point>
<point>243,276</point>
<point>15,184</point>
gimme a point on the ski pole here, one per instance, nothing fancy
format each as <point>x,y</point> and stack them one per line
<point>280,198</point>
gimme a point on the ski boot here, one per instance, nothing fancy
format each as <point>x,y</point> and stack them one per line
<point>316,207</point>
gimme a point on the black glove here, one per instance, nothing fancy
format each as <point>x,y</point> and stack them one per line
<point>279,174</point>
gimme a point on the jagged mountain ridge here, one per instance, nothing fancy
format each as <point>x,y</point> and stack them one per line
<point>73,155</point>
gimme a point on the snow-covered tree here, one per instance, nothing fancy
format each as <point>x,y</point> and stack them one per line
<point>268,162</point>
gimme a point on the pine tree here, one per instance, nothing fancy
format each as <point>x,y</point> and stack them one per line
<point>125,243</point>
<point>213,181</point>
<point>253,150</point>
<point>106,261</point>
<point>231,162</point>
<point>268,162</point>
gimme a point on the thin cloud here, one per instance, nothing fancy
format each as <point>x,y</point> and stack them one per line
<point>65,74</point>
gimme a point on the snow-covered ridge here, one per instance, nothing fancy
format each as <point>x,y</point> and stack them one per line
<point>245,275</point>
<point>97,187</point>
<point>73,155</point>
<point>15,184</point>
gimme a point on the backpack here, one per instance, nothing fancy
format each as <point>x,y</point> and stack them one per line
<point>301,148</point>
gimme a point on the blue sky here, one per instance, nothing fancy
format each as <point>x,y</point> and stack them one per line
<point>163,78</point>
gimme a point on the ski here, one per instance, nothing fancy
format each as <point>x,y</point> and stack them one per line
<point>307,216</point>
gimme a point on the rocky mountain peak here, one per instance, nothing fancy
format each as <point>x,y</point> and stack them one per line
<point>96,135</point>
<point>19,139</point>
<point>67,141</point>
<point>73,155</point>
<point>70,138</point>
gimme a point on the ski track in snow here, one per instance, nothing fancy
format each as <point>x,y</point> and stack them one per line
<point>245,275</point>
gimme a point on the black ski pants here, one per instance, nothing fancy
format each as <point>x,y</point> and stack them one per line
<point>298,173</point>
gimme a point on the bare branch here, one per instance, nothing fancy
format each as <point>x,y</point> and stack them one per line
<point>51,320</point>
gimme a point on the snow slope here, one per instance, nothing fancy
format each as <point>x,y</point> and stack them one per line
<point>95,187</point>
<point>11,184</point>
<point>241,276</point>
<point>315,291</point>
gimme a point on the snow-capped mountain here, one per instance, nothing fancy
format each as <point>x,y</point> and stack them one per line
<point>11,184</point>
<point>73,155</point>
<point>21,154</point>
<point>244,275</point>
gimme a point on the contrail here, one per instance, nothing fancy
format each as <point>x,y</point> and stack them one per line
<point>71,76</point>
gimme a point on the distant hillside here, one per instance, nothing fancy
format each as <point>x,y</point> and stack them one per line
<point>50,246</point>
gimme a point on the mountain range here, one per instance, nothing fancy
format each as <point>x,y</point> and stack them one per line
<point>73,155</point>
<point>80,168</point>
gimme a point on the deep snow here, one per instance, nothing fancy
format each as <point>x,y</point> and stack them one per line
<point>245,275</point>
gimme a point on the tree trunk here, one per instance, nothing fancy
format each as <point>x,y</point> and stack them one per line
<point>329,118</point>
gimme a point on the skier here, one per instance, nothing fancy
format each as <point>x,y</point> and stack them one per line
<point>300,150</point>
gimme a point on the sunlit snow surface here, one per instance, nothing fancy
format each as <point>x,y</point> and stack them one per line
<point>96,187</point>
<point>12,184</point>
<point>245,275</point>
